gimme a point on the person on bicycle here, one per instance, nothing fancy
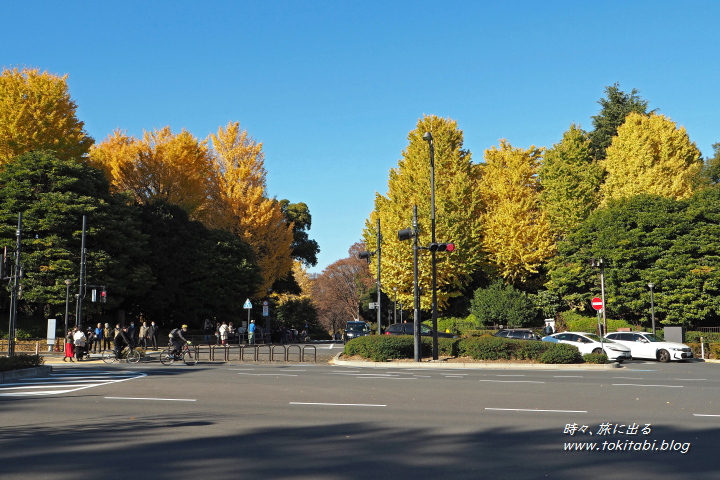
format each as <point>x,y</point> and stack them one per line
<point>178,339</point>
<point>122,340</point>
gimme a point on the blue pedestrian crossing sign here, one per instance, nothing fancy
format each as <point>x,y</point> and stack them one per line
<point>247,304</point>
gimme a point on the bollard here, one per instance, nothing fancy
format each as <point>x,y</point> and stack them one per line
<point>702,348</point>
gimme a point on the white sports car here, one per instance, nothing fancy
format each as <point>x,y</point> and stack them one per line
<point>647,345</point>
<point>591,343</point>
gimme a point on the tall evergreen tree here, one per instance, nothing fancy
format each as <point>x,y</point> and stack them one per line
<point>615,108</point>
<point>570,180</point>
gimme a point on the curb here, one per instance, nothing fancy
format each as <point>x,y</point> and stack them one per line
<point>25,372</point>
<point>473,365</point>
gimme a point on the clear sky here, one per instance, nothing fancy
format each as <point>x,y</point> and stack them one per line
<point>332,88</point>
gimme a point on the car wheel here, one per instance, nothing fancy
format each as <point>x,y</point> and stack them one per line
<point>663,356</point>
<point>597,350</point>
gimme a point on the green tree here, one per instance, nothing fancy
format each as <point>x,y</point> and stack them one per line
<point>37,113</point>
<point>197,272</point>
<point>570,180</point>
<point>673,244</point>
<point>711,171</point>
<point>303,248</point>
<point>298,312</point>
<point>457,214</point>
<point>517,235</point>
<point>501,304</point>
<point>651,155</point>
<point>615,108</point>
<point>53,195</point>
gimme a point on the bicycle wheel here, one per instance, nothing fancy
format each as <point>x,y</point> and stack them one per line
<point>133,356</point>
<point>108,356</point>
<point>190,357</point>
<point>166,357</point>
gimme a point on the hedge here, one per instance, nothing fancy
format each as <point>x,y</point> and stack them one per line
<point>18,362</point>
<point>381,348</point>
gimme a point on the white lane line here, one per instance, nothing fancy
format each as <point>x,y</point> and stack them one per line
<point>453,376</point>
<point>630,378</point>
<point>155,399</point>
<point>704,415</point>
<point>267,374</point>
<point>510,381</point>
<point>568,376</point>
<point>536,410</point>
<point>424,376</point>
<point>691,379</point>
<point>641,385</point>
<point>390,378</point>
<point>509,375</point>
<point>338,404</point>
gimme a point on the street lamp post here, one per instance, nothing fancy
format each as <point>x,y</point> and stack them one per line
<point>433,285</point>
<point>67,306</point>
<point>395,305</point>
<point>652,306</point>
<point>407,234</point>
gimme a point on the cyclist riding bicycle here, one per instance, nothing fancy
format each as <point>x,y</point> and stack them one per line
<point>178,340</point>
<point>122,340</point>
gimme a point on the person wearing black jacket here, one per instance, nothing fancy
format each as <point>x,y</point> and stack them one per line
<point>122,340</point>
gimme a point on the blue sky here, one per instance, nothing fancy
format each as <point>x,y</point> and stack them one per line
<point>332,88</point>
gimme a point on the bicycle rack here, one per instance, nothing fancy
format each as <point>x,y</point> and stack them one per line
<point>314,352</point>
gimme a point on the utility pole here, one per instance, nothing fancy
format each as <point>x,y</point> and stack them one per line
<point>15,289</point>
<point>81,287</point>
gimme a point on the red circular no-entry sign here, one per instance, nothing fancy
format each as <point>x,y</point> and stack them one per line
<point>597,303</point>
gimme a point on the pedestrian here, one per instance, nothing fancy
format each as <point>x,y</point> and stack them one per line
<point>69,346</point>
<point>90,341</point>
<point>153,335</point>
<point>107,337</point>
<point>251,332</point>
<point>132,333</point>
<point>99,332</point>
<point>231,333</point>
<point>79,341</point>
<point>144,334</point>
<point>208,329</point>
<point>223,331</point>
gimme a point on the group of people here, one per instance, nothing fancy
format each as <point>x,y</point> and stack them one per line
<point>225,333</point>
<point>79,344</point>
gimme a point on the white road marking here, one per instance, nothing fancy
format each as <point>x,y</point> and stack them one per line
<point>704,415</point>
<point>536,410</point>
<point>510,381</point>
<point>267,374</point>
<point>641,385</point>
<point>339,404</point>
<point>568,376</point>
<point>156,399</point>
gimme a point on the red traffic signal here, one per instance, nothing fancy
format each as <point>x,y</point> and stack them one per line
<point>441,247</point>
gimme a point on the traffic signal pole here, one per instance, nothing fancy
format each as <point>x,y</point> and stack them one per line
<point>433,261</point>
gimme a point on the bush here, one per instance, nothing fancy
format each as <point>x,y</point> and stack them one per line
<point>561,353</point>
<point>486,348</point>
<point>595,358</point>
<point>19,362</point>
<point>708,337</point>
<point>575,322</point>
<point>504,305</point>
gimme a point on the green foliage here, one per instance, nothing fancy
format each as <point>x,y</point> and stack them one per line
<point>503,305</point>
<point>19,362</point>
<point>381,348</point>
<point>600,358</point>
<point>708,337</point>
<point>296,312</point>
<point>576,322</point>
<point>674,244</point>
<point>615,108</point>
<point>303,248</point>
<point>487,348</point>
<point>560,353</point>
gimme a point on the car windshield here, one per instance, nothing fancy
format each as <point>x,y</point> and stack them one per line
<point>596,338</point>
<point>425,329</point>
<point>651,337</point>
<point>356,326</point>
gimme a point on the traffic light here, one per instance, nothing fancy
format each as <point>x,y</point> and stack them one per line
<point>103,295</point>
<point>405,234</point>
<point>365,256</point>
<point>441,247</point>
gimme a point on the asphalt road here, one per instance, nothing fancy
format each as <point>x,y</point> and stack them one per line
<point>317,421</point>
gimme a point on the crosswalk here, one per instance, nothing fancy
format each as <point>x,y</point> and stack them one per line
<point>60,382</point>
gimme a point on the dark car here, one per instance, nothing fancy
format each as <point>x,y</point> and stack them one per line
<point>407,329</point>
<point>355,329</point>
<point>518,334</point>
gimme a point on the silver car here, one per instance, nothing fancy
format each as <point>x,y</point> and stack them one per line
<point>591,343</point>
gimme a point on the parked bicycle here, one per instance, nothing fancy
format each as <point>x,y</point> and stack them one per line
<point>167,357</point>
<point>128,354</point>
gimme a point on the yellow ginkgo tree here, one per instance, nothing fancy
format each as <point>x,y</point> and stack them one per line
<point>516,232</point>
<point>242,205</point>
<point>37,113</point>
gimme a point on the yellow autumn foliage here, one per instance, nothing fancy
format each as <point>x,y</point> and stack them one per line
<point>243,206</point>
<point>37,113</point>
<point>517,235</point>
<point>650,154</point>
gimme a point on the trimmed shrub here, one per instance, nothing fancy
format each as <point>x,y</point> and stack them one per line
<point>715,350</point>
<point>527,350</point>
<point>486,348</point>
<point>708,337</point>
<point>595,358</point>
<point>561,353</point>
<point>18,362</point>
